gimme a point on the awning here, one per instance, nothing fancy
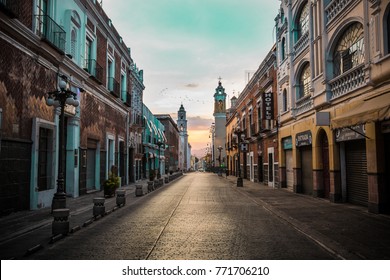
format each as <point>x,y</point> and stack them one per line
<point>368,110</point>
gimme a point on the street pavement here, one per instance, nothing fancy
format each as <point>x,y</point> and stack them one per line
<point>346,231</point>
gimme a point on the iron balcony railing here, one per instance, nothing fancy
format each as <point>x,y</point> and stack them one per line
<point>113,87</point>
<point>50,31</point>
<point>93,68</point>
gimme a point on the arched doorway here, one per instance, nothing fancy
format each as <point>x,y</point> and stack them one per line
<point>324,144</point>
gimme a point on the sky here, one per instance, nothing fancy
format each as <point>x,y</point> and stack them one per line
<point>185,46</point>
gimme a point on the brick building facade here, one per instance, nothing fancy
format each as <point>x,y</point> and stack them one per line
<point>42,43</point>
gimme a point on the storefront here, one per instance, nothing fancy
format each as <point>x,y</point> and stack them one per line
<point>303,142</point>
<point>287,148</point>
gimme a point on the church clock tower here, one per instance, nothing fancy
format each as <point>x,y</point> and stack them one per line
<point>220,126</point>
<point>183,138</point>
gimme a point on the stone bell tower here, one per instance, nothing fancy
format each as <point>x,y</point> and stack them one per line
<point>220,128</point>
<point>183,138</point>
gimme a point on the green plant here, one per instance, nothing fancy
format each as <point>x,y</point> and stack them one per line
<point>112,183</point>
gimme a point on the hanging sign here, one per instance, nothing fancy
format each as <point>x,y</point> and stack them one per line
<point>268,106</point>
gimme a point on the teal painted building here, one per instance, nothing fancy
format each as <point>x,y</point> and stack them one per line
<point>154,142</point>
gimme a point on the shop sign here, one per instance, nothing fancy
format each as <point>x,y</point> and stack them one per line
<point>350,133</point>
<point>268,106</point>
<point>287,143</point>
<point>303,139</point>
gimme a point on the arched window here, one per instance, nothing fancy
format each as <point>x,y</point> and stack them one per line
<point>284,100</point>
<point>304,82</point>
<point>349,51</point>
<point>74,27</point>
<point>283,49</point>
<point>73,43</point>
<point>303,21</point>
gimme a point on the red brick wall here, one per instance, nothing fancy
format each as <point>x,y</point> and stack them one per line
<point>102,53</point>
<point>24,85</point>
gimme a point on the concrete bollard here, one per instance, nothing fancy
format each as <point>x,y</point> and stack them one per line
<point>60,224</point>
<point>120,197</point>
<point>150,186</point>
<point>98,206</point>
<point>138,190</point>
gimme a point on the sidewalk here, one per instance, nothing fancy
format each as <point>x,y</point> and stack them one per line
<point>344,230</point>
<point>14,242</point>
<point>347,231</point>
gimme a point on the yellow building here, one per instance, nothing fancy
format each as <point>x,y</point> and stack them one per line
<point>334,100</point>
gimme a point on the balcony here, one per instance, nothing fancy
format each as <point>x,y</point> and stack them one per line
<point>113,86</point>
<point>93,68</point>
<point>51,32</point>
<point>347,82</point>
<point>335,7</point>
<point>137,120</point>
<point>303,104</point>
<point>10,8</point>
<point>301,44</point>
<point>128,98</point>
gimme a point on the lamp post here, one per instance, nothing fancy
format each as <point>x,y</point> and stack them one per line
<point>159,144</point>
<point>61,98</point>
<point>219,160</point>
<point>238,132</point>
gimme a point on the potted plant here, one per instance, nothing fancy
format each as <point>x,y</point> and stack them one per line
<point>112,183</point>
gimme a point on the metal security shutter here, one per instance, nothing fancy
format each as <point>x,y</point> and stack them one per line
<point>307,170</point>
<point>289,169</point>
<point>356,164</point>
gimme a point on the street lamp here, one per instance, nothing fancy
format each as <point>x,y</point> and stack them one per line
<point>159,144</point>
<point>238,132</point>
<point>219,160</point>
<point>61,98</point>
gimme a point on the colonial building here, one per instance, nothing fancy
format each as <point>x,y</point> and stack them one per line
<point>136,124</point>
<point>45,44</point>
<point>334,99</point>
<point>171,146</point>
<point>154,145</point>
<point>253,116</point>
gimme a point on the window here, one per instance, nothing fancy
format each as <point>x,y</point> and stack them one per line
<point>73,43</point>
<point>303,21</point>
<point>123,87</point>
<point>349,51</point>
<point>74,28</point>
<point>387,30</point>
<point>45,152</point>
<point>259,116</point>
<point>88,51</point>
<point>283,49</point>
<point>41,12</point>
<point>284,100</point>
<point>251,126</point>
<point>304,82</point>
